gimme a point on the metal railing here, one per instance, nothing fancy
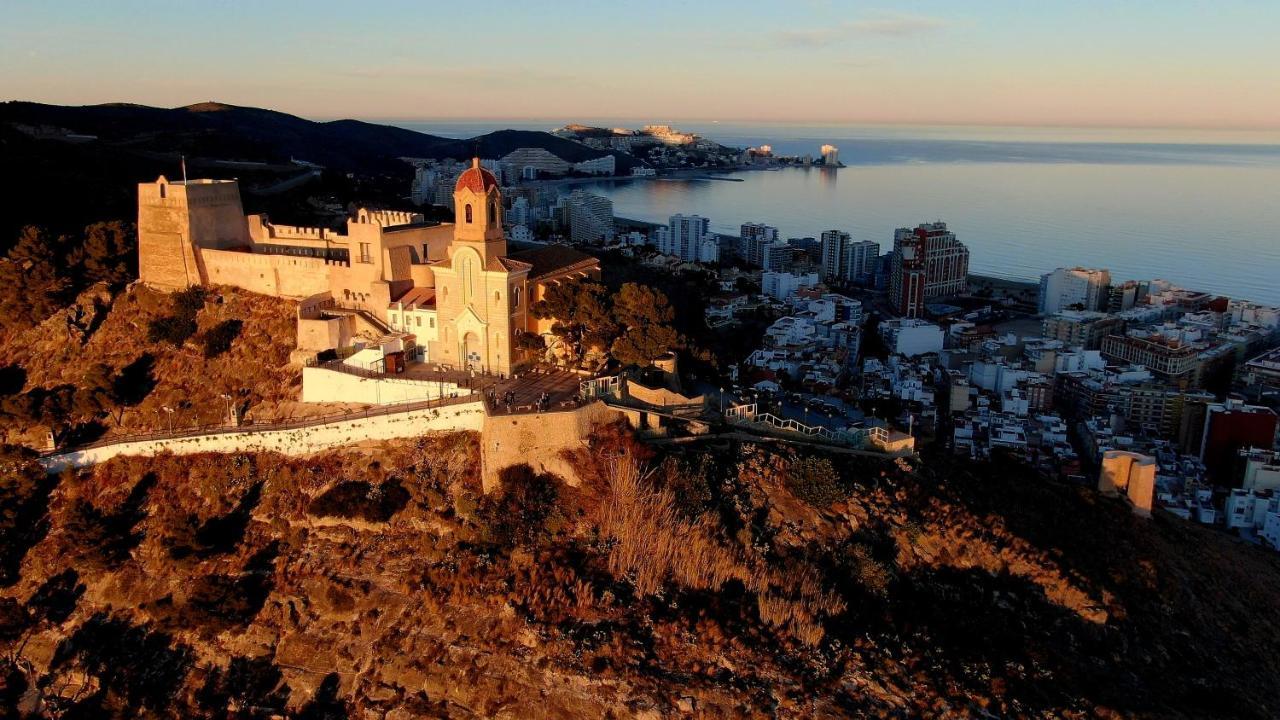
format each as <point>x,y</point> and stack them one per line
<point>747,416</point>
<point>269,425</point>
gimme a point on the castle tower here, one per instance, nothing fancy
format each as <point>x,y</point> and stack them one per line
<point>477,208</point>
<point>176,219</point>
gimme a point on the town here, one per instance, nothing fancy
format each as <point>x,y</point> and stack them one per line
<point>1080,375</point>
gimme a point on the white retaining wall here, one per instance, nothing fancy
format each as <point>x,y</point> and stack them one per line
<point>324,385</point>
<point>296,442</point>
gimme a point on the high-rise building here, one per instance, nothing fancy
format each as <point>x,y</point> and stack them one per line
<point>860,261</point>
<point>777,256</point>
<point>688,233</point>
<point>753,237</point>
<point>590,218</point>
<point>845,260</point>
<point>1074,289</point>
<point>830,155</point>
<point>834,243</point>
<point>1229,427</point>
<point>928,262</point>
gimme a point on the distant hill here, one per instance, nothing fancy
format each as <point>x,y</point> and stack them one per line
<point>95,154</point>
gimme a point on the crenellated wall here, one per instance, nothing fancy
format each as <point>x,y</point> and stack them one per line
<point>278,275</point>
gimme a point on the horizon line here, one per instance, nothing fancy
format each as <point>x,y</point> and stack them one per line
<point>994,123</point>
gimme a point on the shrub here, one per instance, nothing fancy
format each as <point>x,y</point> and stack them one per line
<point>521,513</point>
<point>360,499</point>
<point>814,480</point>
<point>218,338</point>
<point>171,329</point>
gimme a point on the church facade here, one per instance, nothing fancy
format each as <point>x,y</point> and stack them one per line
<point>453,291</point>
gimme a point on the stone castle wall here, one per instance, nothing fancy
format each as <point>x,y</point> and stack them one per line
<point>277,275</point>
<point>539,440</point>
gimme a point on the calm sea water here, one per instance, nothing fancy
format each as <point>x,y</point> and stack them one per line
<point>1201,210</point>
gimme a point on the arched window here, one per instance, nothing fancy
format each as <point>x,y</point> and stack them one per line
<point>515,297</point>
<point>493,211</point>
<point>468,212</point>
<point>497,296</point>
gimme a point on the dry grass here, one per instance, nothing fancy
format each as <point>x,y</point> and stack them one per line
<point>653,544</point>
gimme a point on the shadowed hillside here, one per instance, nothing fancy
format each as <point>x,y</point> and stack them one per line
<point>731,581</point>
<point>65,167</point>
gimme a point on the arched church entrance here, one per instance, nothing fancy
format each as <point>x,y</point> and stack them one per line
<point>471,355</point>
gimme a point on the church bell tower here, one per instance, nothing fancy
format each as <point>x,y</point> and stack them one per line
<point>477,208</point>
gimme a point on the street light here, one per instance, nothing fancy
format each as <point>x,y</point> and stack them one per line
<point>231,419</point>
<point>169,411</point>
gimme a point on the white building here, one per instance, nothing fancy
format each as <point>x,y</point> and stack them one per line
<point>845,260</point>
<point>781,286</point>
<point>687,237</point>
<point>520,212</point>
<point>1065,288</point>
<point>604,165</point>
<point>752,238</point>
<point>911,337</point>
<point>1261,469</point>
<point>590,218</point>
<point>830,155</point>
<point>520,234</point>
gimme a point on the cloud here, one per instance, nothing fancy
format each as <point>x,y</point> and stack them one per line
<point>890,24</point>
<point>898,25</point>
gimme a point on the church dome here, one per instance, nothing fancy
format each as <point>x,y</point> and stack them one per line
<point>476,179</point>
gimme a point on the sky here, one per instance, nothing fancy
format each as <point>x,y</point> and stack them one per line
<point>1083,63</point>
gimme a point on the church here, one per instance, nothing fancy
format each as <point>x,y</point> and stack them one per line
<point>451,292</point>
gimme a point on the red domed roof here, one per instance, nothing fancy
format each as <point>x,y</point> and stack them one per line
<point>476,179</point>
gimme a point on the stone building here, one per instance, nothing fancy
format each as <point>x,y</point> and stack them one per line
<point>452,289</point>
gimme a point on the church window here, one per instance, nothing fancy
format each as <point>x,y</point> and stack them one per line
<point>497,297</point>
<point>365,255</point>
<point>493,211</point>
<point>419,321</point>
<point>468,212</point>
<point>432,322</point>
<point>162,190</point>
<point>515,297</point>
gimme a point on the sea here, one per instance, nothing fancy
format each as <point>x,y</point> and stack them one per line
<point>1197,208</point>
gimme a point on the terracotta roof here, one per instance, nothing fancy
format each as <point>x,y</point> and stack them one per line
<point>419,296</point>
<point>507,264</point>
<point>476,179</point>
<point>554,258</point>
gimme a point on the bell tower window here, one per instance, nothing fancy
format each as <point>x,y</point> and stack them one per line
<point>468,213</point>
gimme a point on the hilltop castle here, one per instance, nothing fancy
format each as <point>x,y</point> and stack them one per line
<point>453,290</point>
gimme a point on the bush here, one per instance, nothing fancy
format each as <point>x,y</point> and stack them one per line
<point>218,338</point>
<point>815,481</point>
<point>177,328</point>
<point>171,329</point>
<point>521,512</point>
<point>359,499</point>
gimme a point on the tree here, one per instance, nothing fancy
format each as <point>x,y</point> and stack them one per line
<point>109,253</point>
<point>643,313</point>
<point>32,284</point>
<point>582,315</point>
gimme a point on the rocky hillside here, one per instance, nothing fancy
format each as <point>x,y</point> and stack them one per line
<point>103,341</point>
<point>709,581</point>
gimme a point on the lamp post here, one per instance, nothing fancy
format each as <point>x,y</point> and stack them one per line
<point>231,419</point>
<point>169,411</point>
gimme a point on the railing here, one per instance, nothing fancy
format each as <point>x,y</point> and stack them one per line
<point>747,416</point>
<point>269,426</point>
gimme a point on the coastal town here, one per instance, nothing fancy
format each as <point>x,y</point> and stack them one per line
<point>1076,374</point>
<point>816,339</point>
